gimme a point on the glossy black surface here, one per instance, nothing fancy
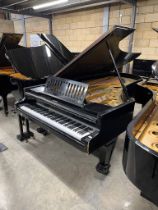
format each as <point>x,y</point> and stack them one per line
<point>8,41</point>
<point>58,48</point>
<point>142,67</point>
<point>34,62</point>
<point>96,59</point>
<point>140,163</point>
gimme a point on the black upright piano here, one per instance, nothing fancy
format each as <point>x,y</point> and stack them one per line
<point>88,103</point>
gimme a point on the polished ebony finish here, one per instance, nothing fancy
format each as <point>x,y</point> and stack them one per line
<point>103,121</point>
<point>34,62</point>
<point>57,48</point>
<point>37,63</point>
<point>96,59</point>
<point>143,67</point>
<point>140,163</point>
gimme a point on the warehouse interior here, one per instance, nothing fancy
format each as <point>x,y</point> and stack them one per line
<point>78,104</point>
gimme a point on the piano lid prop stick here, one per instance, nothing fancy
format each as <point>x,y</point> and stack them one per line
<point>118,73</point>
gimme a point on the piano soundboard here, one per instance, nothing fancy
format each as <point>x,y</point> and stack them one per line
<point>107,91</point>
<point>147,131</point>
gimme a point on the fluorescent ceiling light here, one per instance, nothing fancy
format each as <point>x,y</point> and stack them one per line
<point>49,4</point>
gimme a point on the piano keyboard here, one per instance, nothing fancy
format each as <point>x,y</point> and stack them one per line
<point>58,121</point>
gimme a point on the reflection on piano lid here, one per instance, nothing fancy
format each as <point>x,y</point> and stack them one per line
<point>8,41</point>
<point>57,48</point>
<point>34,62</point>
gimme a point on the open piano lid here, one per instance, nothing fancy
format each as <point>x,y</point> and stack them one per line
<point>96,59</point>
<point>8,41</point>
<point>34,62</point>
<point>57,47</point>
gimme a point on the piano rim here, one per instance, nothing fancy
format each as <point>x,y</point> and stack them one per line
<point>130,128</point>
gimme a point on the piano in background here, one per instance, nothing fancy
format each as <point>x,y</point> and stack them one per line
<point>93,105</point>
<point>36,63</point>
<point>58,48</point>
<point>8,41</point>
<point>142,67</point>
<point>140,158</point>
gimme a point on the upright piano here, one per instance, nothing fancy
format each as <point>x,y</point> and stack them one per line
<point>8,41</point>
<point>88,103</point>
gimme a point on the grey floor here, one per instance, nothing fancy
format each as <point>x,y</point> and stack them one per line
<point>48,174</point>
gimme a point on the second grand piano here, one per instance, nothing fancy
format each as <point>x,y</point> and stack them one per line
<point>92,106</point>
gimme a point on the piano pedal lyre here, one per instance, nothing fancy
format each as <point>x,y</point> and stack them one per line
<point>24,136</point>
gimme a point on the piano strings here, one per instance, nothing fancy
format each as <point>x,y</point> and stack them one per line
<point>147,133</point>
<point>106,91</point>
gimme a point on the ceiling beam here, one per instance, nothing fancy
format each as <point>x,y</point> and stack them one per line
<point>73,4</point>
<point>9,3</point>
<point>78,5</point>
<point>129,1</point>
<point>29,4</point>
<point>29,13</point>
<point>25,6</point>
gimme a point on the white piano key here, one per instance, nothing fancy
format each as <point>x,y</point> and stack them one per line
<point>53,123</point>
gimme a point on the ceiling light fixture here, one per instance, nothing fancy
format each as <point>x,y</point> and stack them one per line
<point>49,4</point>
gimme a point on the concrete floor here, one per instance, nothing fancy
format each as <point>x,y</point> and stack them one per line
<point>49,174</point>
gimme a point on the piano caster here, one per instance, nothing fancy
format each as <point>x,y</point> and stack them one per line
<point>42,131</point>
<point>103,168</point>
<point>104,154</point>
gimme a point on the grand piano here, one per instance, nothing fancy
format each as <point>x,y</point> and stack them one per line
<point>34,64</point>
<point>58,48</point>
<point>8,41</point>
<point>140,157</point>
<point>88,103</point>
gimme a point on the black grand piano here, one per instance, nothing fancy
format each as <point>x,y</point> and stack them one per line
<point>140,157</point>
<point>34,64</point>
<point>7,41</point>
<point>58,48</point>
<point>88,102</point>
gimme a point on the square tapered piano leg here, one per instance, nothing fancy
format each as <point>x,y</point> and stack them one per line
<point>104,154</point>
<point>24,135</point>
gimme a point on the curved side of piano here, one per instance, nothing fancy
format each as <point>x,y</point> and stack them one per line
<point>140,157</point>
